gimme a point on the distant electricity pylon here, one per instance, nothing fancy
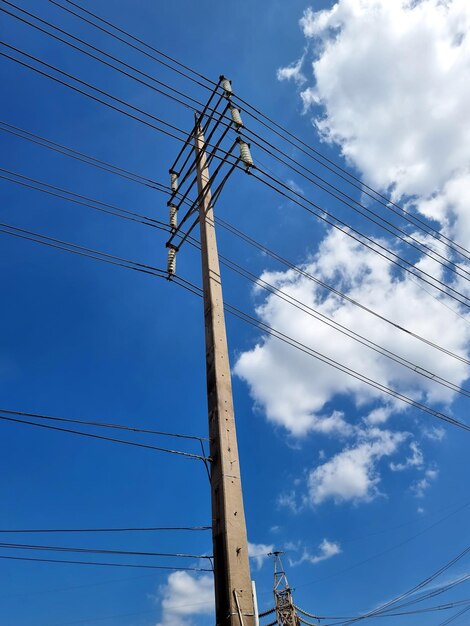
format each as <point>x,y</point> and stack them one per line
<point>285,610</point>
<point>233,589</point>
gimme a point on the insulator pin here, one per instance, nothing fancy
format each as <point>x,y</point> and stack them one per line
<point>236,117</point>
<point>171,267</point>
<point>173,216</point>
<point>245,154</point>
<point>227,87</point>
<point>174,181</point>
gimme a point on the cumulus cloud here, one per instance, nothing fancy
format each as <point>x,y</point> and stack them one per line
<point>352,474</point>
<point>386,82</point>
<point>258,552</point>
<point>292,72</point>
<point>295,390</point>
<point>420,486</point>
<point>185,596</point>
<point>291,500</point>
<point>435,433</point>
<point>326,550</point>
<point>390,78</point>
<point>414,460</point>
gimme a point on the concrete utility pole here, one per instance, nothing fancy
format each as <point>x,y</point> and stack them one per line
<point>233,590</point>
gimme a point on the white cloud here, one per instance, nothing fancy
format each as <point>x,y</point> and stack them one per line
<point>352,475</point>
<point>296,188</point>
<point>391,78</point>
<point>258,552</point>
<point>292,72</point>
<point>387,84</point>
<point>415,460</point>
<point>185,596</point>
<point>290,500</point>
<point>294,389</point>
<point>435,433</point>
<point>420,486</point>
<point>326,550</point>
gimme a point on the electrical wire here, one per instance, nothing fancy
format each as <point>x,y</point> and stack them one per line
<point>377,219</point>
<point>82,200</point>
<point>302,272</point>
<point>132,37</point>
<point>96,255</point>
<point>320,216</point>
<point>97,58</point>
<point>411,591</point>
<point>103,425</point>
<point>24,546</point>
<point>376,247</point>
<point>341,172</point>
<point>84,158</point>
<point>97,563</point>
<point>188,455</point>
<point>432,609</point>
<point>453,266</point>
<point>160,187</point>
<point>81,91</point>
<point>254,113</point>
<point>103,530</point>
<point>454,617</point>
<point>344,330</point>
<point>267,329</point>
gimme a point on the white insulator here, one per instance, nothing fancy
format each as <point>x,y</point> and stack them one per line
<point>227,87</point>
<point>174,181</point>
<point>171,267</point>
<point>236,117</point>
<point>173,216</point>
<point>245,154</point>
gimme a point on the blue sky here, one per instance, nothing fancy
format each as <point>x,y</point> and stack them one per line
<point>381,498</point>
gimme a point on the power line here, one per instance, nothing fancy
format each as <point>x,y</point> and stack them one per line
<point>132,37</point>
<point>302,272</point>
<point>343,173</point>
<point>319,212</point>
<point>187,455</point>
<point>454,617</point>
<point>411,591</point>
<point>153,184</point>
<point>254,113</point>
<point>404,237</point>
<point>269,330</point>
<point>24,546</point>
<point>337,326</point>
<point>96,255</point>
<point>393,613</point>
<point>103,425</point>
<point>451,264</point>
<point>104,530</point>
<point>95,98</point>
<point>76,198</point>
<point>344,330</point>
<point>97,563</point>
<point>84,158</point>
<point>366,212</point>
<point>320,216</point>
<point>266,328</point>
<point>105,54</point>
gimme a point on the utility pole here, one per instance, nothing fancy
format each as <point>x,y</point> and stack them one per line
<point>233,589</point>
